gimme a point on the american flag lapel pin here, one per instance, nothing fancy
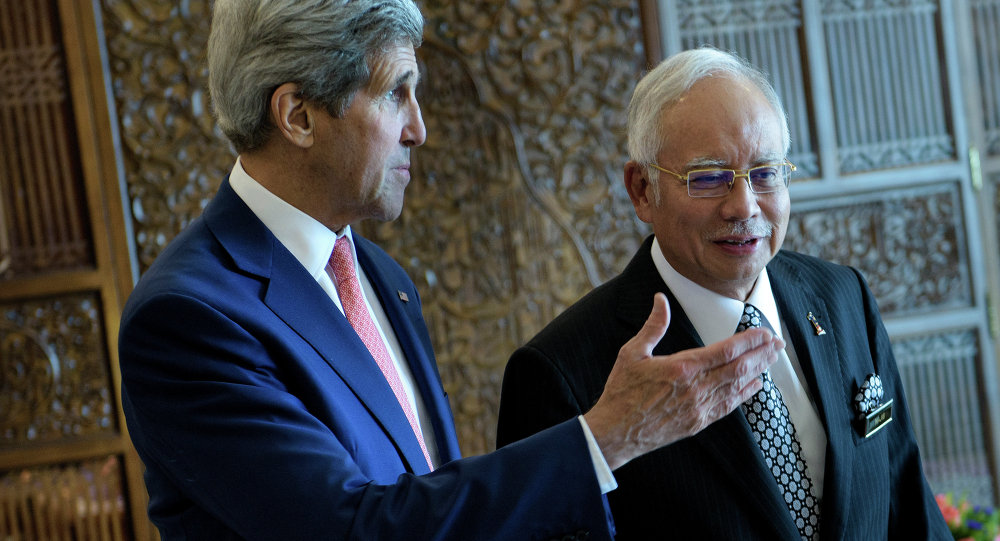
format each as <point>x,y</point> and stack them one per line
<point>815,323</point>
<point>403,296</point>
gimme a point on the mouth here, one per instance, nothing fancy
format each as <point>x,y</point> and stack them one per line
<point>403,170</point>
<point>739,241</point>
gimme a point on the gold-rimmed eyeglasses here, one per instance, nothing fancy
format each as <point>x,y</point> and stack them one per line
<point>767,178</point>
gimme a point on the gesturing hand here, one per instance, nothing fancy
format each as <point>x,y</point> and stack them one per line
<point>651,401</point>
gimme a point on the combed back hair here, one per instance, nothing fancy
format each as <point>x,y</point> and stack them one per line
<point>667,83</point>
<point>324,46</point>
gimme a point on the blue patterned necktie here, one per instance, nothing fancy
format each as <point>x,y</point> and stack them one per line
<point>775,435</point>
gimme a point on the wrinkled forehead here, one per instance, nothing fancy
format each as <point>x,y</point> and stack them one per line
<point>394,66</point>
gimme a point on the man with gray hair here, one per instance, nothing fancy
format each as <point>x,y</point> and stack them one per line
<point>277,375</point>
<point>825,450</point>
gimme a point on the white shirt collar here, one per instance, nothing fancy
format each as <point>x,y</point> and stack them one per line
<point>309,241</point>
<point>714,316</point>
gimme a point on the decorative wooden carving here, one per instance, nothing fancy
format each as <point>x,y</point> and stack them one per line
<point>54,381</point>
<point>175,157</point>
<point>986,28</point>
<point>77,501</point>
<point>909,244</point>
<point>947,401</point>
<point>43,218</point>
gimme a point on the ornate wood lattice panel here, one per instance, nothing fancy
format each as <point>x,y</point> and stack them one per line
<point>909,244</point>
<point>43,219</point>
<point>947,402</point>
<point>54,382</point>
<point>71,502</point>
<point>986,29</point>
<point>890,98</point>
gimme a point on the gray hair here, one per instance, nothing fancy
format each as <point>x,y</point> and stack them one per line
<point>324,46</point>
<point>667,83</point>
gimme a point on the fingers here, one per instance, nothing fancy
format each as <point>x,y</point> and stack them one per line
<point>738,345</point>
<point>642,344</point>
<point>737,379</point>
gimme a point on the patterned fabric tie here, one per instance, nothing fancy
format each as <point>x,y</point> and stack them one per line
<point>775,435</point>
<point>349,290</point>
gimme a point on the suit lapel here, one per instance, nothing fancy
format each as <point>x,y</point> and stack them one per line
<point>820,361</point>
<point>295,297</point>
<point>728,443</point>
<point>419,356</point>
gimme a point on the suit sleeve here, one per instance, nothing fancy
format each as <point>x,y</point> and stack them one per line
<point>913,512</point>
<point>534,396</point>
<point>226,438</point>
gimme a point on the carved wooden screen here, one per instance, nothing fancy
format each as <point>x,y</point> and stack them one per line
<point>66,468</point>
<point>874,96</point>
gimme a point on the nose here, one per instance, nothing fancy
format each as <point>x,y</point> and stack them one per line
<point>740,203</point>
<point>414,131</point>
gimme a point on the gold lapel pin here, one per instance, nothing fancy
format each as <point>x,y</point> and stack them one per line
<point>402,296</point>
<point>815,323</point>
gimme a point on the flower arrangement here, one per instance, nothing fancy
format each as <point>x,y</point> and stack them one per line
<point>969,522</point>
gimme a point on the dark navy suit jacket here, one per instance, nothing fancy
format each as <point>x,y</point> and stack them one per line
<point>260,414</point>
<point>715,485</point>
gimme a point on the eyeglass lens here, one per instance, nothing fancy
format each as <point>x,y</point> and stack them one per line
<point>717,182</point>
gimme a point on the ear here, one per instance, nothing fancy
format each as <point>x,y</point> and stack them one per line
<point>637,184</point>
<point>292,116</point>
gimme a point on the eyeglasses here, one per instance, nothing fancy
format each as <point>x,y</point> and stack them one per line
<point>718,182</point>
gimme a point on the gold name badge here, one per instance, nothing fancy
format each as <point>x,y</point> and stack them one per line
<point>877,419</point>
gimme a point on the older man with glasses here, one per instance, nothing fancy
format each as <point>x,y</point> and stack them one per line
<point>825,449</point>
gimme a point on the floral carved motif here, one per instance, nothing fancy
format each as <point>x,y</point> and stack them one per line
<point>54,381</point>
<point>175,157</point>
<point>909,244</point>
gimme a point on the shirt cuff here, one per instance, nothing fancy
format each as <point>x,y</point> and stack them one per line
<point>605,478</point>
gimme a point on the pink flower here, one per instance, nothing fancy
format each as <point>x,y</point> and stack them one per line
<point>952,516</point>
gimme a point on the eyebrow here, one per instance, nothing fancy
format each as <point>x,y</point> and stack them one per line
<point>716,163</point>
<point>406,77</point>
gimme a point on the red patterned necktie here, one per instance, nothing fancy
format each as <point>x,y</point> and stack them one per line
<point>349,289</point>
<point>775,435</point>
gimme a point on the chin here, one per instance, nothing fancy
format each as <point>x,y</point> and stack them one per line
<point>390,212</point>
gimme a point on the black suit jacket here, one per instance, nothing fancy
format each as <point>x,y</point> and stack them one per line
<point>715,485</point>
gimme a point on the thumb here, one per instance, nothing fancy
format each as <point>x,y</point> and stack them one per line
<point>655,327</point>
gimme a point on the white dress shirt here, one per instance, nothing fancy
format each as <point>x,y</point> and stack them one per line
<point>715,318</point>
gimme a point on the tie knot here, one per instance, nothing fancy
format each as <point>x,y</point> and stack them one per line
<point>342,260</point>
<point>751,318</point>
